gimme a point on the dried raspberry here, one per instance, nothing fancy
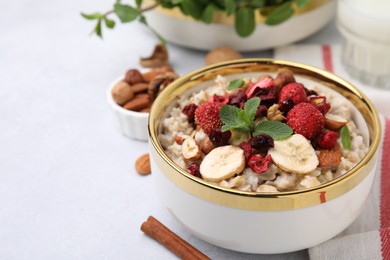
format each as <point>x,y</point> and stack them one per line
<point>320,103</point>
<point>294,91</point>
<point>189,111</point>
<point>306,119</point>
<point>237,99</point>
<point>261,111</point>
<point>219,138</point>
<point>261,141</point>
<point>247,150</point>
<point>207,116</point>
<point>259,164</point>
<point>260,87</point>
<point>194,169</point>
<point>328,140</point>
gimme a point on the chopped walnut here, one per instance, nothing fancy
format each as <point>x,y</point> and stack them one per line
<point>274,113</point>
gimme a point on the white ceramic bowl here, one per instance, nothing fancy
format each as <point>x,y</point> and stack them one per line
<point>130,123</point>
<point>264,222</point>
<point>183,30</point>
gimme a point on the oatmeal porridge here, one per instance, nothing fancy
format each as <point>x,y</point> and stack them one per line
<point>263,133</point>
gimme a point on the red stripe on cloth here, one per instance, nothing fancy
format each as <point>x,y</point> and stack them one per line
<point>327,57</point>
<point>385,193</point>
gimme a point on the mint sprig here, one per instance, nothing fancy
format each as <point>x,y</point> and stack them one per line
<point>235,84</point>
<point>345,137</point>
<point>240,119</point>
<point>277,130</point>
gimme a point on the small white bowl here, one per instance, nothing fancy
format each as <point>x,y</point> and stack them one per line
<point>130,123</point>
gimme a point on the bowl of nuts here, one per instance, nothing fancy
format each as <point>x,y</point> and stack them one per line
<point>132,95</point>
<point>263,156</point>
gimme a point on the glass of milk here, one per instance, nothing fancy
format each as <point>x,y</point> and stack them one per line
<point>365,25</point>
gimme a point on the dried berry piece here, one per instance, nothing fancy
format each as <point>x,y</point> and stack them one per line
<point>261,142</point>
<point>310,92</point>
<point>219,138</point>
<point>328,140</point>
<point>286,105</point>
<point>193,169</point>
<point>261,111</point>
<point>237,99</point>
<point>189,111</point>
<point>320,103</point>
<point>247,150</point>
<point>294,91</point>
<point>207,116</point>
<point>259,164</point>
<point>220,99</point>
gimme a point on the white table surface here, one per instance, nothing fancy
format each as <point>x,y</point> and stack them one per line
<point>68,187</point>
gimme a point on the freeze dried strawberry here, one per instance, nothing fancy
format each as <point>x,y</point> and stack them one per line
<point>194,169</point>
<point>320,103</point>
<point>306,119</point>
<point>327,140</point>
<point>219,138</point>
<point>261,87</point>
<point>189,111</point>
<point>293,91</point>
<point>247,150</point>
<point>261,142</point>
<point>207,116</point>
<point>259,164</point>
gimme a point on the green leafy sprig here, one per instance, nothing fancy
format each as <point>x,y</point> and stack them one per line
<point>244,11</point>
<point>345,137</point>
<point>244,120</point>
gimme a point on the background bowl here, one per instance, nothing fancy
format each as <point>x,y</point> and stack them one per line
<point>183,30</point>
<point>130,123</point>
<point>264,222</point>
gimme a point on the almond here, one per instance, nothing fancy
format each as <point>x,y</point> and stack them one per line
<point>329,159</point>
<point>142,164</point>
<point>138,103</point>
<point>140,87</point>
<point>122,93</point>
<point>334,125</point>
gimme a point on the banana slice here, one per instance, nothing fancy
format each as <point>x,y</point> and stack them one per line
<point>294,154</point>
<point>222,163</point>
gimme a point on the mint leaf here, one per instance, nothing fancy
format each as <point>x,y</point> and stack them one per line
<point>138,3</point>
<point>230,7</point>
<point>280,14</point>
<point>235,84</point>
<point>231,117</point>
<point>126,13</point>
<point>244,21</point>
<point>208,13</point>
<point>93,16</point>
<point>109,23</point>
<point>345,137</point>
<point>98,28</point>
<point>302,3</point>
<point>251,107</point>
<point>277,130</point>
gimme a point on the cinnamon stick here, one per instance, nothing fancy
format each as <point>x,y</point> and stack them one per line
<point>156,230</point>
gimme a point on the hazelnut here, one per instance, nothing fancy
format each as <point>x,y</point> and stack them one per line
<point>122,93</point>
<point>133,76</point>
<point>221,54</point>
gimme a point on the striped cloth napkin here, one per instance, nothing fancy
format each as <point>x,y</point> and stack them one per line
<point>368,237</point>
